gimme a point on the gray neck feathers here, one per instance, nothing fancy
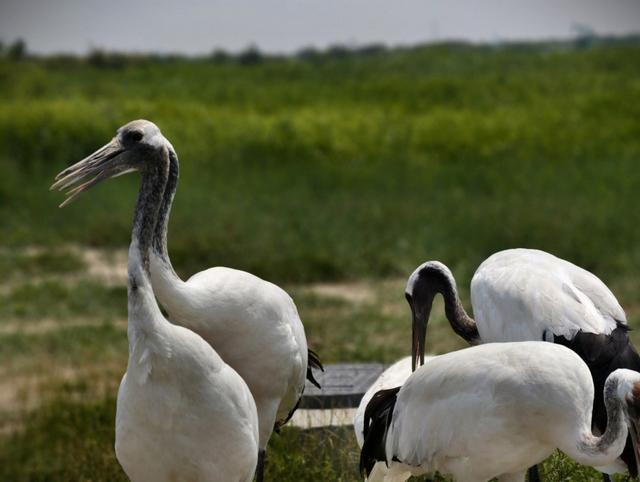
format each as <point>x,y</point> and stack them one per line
<point>162,222</point>
<point>438,279</point>
<point>153,180</point>
<point>458,318</point>
<point>603,450</point>
<point>615,415</point>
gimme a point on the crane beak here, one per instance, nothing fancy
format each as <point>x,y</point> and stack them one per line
<point>419,334</point>
<point>103,164</point>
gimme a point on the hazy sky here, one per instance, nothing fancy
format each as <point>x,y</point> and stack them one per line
<point>199,26</point>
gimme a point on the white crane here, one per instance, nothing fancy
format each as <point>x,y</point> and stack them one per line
<point>493,411</point>
<point>182,412</point>
<point>251,323</point>
<point>527,294</point>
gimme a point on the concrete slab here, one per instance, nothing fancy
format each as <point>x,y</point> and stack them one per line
<point>343,385</point>
<point>315,418</point>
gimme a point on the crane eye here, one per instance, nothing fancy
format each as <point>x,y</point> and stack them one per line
<point>136,136</point>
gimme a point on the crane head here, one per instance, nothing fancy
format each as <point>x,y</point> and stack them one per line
<point>134,146</point>
<point>422,286</point>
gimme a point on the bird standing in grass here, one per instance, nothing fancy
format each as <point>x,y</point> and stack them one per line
<point>527,294</point>
<point>251,323</point>
<point>182,412</point>
<point>493,411</point>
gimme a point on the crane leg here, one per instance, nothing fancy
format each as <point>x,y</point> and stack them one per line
<point>534,475</point>
<point>606,478</point>
<point>260,468</point>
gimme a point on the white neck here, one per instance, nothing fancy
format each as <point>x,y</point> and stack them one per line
<point>143,311</point>
<point>168,287</point>
<point>605,449</point>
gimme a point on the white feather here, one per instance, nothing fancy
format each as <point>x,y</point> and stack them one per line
<point>182,412</point>
<point>518,294</point>
<point>252,324</point>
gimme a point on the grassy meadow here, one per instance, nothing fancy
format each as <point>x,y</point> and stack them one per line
<point>332,174</point>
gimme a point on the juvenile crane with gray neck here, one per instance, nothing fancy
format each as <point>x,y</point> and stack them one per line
<point>251,323</point>
<point>182,412</point>
<point>527,294</point>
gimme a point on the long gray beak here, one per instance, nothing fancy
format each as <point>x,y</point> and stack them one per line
<point>98,166</point>
<point>419,334</point>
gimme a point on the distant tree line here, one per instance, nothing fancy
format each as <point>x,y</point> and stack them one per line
<point>252,55</point>
<point>17,50</point>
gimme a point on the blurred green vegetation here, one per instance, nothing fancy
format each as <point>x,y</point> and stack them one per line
<point>304,169</point>
<point>337,166</point>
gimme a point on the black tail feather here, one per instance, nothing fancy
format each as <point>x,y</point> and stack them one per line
<point>313,361</point>
<point>280,423</point>
<point>377,418</point>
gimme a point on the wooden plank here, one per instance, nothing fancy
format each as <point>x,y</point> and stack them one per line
<point>343,385</point>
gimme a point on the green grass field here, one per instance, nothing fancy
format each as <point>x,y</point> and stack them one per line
<point>333,175</point>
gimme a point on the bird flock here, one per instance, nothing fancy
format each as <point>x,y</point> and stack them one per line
<point>211,376</point>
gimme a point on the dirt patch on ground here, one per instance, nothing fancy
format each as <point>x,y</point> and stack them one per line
<point>25,392</point>
<point>387,296</point>
<point>361,292</point>
<point>49,325</point>
<point>354,292</point>
<point>106,266</point>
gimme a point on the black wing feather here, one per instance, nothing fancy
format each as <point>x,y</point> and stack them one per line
<point>313,362</point>
<point>377,418</point>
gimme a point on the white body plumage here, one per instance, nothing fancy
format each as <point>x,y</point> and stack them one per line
<point>523,294</point>
<point>496,409</point>
<point>183,413</point>
<point>252,324</point>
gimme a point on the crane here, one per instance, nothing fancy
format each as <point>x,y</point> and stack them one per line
<point>251,323</point>
<point>527,294</point>
<point>182,412</point>
<point>494,410</point>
